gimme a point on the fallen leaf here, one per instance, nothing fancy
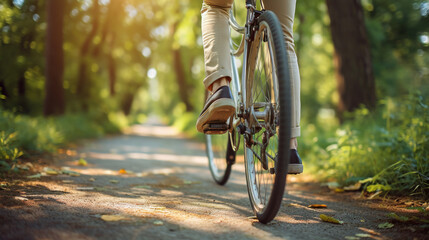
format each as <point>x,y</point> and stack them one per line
<point>363,235</point>
<point>354,187</point>
<point>23,167</point>
<point>91,179</point>
<point>51,172</point>
<point>317,206</point>
<point>326,218</point>
<point>122,171</point>
<point>362,220</point>
<point>35,176</point>
<point>175,186</point>
<point>114,181</point>
<point>333,185</point>
<point>113,218</point>
<point>82,162</point>
<point>69,172</point>
<point>21,198</point>
<point>339,190</point>
<point>375,195</point>
<point>187,182</point>
<point>351,238</point>
<point>385,225</point>
<point>378,187</point>
<point>68,181</point>
<point>158,223</point>
<point>397,217</point>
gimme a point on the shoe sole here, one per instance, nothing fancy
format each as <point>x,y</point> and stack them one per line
<point>295,168</point>
<point>218,112</point>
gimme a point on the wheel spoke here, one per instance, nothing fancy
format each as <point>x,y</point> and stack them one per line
<point>263,97</point>
<point>265,169</point>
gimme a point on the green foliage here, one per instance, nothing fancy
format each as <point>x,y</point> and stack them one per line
<point>23,135</point>
<point>395,30</point>
<point>9,153</point>
<point>390,148</point>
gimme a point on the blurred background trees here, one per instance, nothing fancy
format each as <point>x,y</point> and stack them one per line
<point>117,51</point>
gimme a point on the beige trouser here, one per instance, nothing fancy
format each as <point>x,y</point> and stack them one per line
<point>215,30</point>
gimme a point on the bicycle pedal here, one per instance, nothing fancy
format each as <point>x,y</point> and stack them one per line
<point>215,128</point>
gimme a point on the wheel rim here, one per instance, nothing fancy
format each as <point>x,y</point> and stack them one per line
<point>216,152</point>
<point>263,98</point>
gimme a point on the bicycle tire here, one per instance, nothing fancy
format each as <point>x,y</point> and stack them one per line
<point>220,161</point>
<point>268,32</point>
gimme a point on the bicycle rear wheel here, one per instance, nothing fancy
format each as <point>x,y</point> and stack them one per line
<point>221,157</point>
<point>268,104</point>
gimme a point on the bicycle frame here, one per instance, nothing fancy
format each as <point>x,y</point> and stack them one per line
<point>240,94</point>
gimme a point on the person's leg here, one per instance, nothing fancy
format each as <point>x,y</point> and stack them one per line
<point>215,34</point>
<point>285,11</point>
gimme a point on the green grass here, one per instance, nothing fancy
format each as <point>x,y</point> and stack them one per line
<point>388,148</point>
<point>22,135</point>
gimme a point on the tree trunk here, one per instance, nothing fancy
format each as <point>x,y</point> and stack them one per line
<point>114,15</point>
<point>54,92</point>
<point>111,64</point>
<point>181,79</point>
<point>3,90</point>
<point>127,103</point>
<point>83,84</point>
<point>180,73</point>
<point>355,78</point>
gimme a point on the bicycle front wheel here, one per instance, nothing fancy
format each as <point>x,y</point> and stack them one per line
<point>268,105</point>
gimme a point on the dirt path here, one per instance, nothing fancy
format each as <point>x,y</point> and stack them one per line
<point>167,193</point>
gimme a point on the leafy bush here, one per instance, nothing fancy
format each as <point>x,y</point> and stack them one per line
<point>9,153</point>
<point>388,148</point>
<point>22,135</point>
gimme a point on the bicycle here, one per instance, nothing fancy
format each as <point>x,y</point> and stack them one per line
<point>262,100</point>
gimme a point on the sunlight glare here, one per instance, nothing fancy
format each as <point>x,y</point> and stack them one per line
<point>151,73</point>
<point>146,52</point>
<point>104,2</point>
<point>132,11</point>
<point>18,3</point>
<point>424,39</point>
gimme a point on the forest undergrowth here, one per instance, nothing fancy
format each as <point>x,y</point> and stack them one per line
<point>386,151</point>
<point>23,135</point>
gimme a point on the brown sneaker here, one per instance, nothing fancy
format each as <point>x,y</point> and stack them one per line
<point>218,109</point>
